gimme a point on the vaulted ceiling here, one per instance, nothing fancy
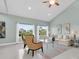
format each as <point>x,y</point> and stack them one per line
<point>33,8</point>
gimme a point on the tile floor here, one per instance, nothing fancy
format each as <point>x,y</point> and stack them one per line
<point>70,54</point>
<point>17,52</point>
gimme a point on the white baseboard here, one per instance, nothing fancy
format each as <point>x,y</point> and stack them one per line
<point>19,42</point>
<point>4,44</point>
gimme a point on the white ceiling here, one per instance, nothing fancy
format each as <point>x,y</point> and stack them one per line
<point>37,9</point>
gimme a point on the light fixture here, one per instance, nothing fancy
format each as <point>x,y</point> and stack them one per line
<point>29,8</point>
<point>49,14</point>
<point>52,2</point>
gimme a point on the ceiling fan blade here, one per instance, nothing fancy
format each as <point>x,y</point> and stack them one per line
<point>50,5</point>
<point>45,1</point>
<point>57,4</point>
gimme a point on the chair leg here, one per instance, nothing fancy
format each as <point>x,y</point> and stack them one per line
<point>28,51</point>
<point>24,45</point>
<point>32,53</point>
<point>42,49</point>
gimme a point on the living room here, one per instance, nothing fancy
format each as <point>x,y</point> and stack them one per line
<point>63,25</point>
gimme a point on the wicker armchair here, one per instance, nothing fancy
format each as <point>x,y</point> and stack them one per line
<point>32,45</point>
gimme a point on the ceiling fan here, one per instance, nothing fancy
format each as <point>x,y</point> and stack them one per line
<point>52,2</point>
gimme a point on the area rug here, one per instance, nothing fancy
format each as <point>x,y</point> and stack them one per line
<point>53,52</point>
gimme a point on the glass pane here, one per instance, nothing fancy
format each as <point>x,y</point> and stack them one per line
<point>25,29</point>
<point>42,32</point>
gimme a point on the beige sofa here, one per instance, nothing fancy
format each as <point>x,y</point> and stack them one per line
<point>65,42</point>
<point>65,39</point>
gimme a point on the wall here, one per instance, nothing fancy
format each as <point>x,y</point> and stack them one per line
<point>10,30</point>
<point>70,15</point>
<point>11,22</point>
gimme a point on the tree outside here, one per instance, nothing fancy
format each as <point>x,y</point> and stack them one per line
<point>23,31</point>
<point>42,33</point>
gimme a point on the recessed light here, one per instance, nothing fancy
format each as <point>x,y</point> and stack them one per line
<point>29,8</point>
<point>49,14</point>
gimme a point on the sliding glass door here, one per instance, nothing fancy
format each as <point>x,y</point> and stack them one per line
<point>26,29</point>
<point>42,32</point>
<point>30,29</point>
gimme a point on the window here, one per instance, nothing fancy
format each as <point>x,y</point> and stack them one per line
<point>26,29</point>
<point>42,32</point>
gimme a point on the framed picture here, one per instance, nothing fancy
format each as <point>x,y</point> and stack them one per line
<point>2,29</point>
<point>59,28</point>
<point>67,28</point>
